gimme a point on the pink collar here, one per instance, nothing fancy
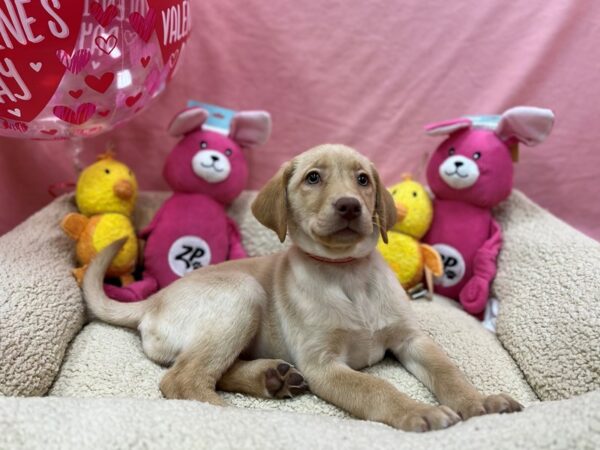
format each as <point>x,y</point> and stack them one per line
<point>330,260</point>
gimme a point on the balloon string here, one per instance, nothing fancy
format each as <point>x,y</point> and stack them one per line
<point>77,149</point>
<point>63,187</point>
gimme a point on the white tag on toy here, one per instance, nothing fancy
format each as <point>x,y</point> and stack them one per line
<point>219,118</point>
<point>454,265</point>
<point>188,253</point>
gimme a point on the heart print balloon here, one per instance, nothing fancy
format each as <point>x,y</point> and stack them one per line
<point>76,68</point>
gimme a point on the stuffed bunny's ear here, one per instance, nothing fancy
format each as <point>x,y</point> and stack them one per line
<point>250,128</point>
<point>187,120</point>
<point>525,124</point>
<point>447,127</point>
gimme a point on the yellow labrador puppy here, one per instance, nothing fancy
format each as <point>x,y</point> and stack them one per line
<point>329,305</point>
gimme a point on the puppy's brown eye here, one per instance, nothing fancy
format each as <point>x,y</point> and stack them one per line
<point>228,152</point>
<point>363,180</point>
<point>313,177</point>
<point>203,144</point>
<point>451,151</point>
<point>476,155</point>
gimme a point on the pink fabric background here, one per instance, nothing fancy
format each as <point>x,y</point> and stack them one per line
<point>368,74</point>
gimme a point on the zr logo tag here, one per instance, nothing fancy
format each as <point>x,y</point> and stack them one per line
<point>449,264</point>
<point>454,266</point>
<point>191,256</point>
<point>188,253</point>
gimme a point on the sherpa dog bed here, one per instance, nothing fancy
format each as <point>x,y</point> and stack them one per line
<point>93,387</point>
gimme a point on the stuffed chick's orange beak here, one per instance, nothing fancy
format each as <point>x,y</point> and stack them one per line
<point>401,212</point>
<point>123,189</point>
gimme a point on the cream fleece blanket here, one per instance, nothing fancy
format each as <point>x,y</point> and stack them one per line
<point>40,303</point>
<point>73,423</point>
<point>548,283</point>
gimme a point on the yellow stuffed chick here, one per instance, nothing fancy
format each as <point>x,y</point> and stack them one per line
<point>409,258</point>
<point>105,195</point>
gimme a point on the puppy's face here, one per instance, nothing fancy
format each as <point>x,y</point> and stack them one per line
<point>331,202</point>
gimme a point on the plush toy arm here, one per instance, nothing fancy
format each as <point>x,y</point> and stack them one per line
<point>145,232</point>
<point>475,293</point>
<point>236,249</point>
<point>484,263</point>
<point>73,225</point>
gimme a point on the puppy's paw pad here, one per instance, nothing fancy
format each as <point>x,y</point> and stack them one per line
<point>284,381</point>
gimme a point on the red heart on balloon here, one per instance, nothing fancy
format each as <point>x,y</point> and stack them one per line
<point>132,100</point>
<point>76,94</point>
<point>85,132</point>
<point>84,112</point>
<point>173,59</point>
<point>107,45</point>
<point>145,60</point>
<point>17,126</point>
<point>103,16</point>
<point>143,26</point>
<point>74,63</point>
<point>100,84</point>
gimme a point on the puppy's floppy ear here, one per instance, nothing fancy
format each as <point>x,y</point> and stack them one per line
<point>385,208</point>
<point>270,207</point>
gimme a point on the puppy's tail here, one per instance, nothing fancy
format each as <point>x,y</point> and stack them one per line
<point>99,304</point>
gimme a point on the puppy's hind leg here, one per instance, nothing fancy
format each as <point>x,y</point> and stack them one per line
<point>221,336</point>
<point>267,378</point>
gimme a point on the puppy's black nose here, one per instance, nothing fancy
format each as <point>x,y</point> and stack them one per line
<point>348,207</point>
<point>458,163</point>
<point>216,158</point>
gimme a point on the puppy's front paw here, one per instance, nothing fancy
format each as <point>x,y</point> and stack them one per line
<point>428,418</point>
<point>501,403</point>
<point>498,403</point>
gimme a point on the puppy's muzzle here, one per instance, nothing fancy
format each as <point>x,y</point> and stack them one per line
<point>348,208</point>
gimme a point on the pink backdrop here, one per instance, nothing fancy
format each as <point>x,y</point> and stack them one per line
<point>369,74</point>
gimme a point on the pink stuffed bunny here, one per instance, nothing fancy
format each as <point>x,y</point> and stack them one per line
<point>470,173</point>
<point>207,171</point>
